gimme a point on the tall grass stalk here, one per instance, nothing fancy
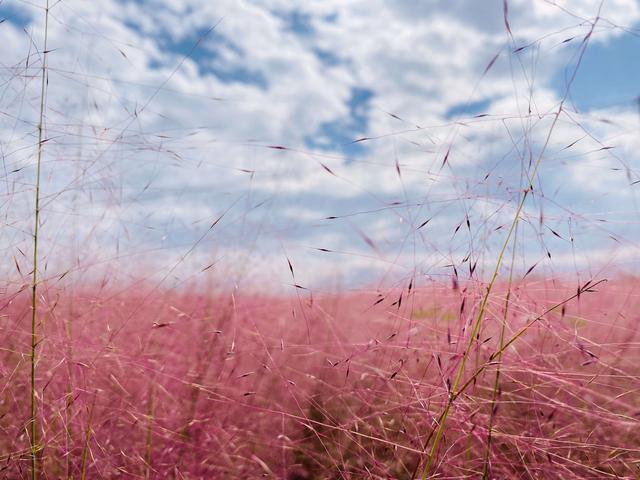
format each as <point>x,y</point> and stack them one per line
<point>34,285</point>
<point>454,393</point>
<point>72,310</point>
<point>496,383</point>
<point>69,397</point>
<point>150,420</point>
<point>87,439</point>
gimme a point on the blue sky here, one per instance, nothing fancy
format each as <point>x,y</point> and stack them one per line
<point>609,75</point>
<point>165,116</point>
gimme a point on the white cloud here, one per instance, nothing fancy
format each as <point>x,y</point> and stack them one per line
<point>156,145</point>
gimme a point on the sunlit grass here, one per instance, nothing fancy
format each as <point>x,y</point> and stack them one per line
<point>155,360</point>
<point>356,400</point>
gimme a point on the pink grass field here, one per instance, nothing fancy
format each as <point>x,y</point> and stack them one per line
<point>143,383</point>
<point>162,160</point>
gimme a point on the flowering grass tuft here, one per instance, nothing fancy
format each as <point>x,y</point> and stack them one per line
<point>186,385</point>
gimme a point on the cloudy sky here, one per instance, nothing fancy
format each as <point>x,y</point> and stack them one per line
<point>325,133</point>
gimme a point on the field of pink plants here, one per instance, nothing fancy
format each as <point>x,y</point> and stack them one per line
<point>319,240</point>
<point>161,384</point>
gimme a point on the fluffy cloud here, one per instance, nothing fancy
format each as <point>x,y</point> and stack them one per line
<point>163,115</point>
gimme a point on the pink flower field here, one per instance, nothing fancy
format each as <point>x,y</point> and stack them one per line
<point>145,383</point>
<point>320,239</point>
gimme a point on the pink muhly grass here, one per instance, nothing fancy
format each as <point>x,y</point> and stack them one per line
<point>135,370</point>
<point>193,388</point>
